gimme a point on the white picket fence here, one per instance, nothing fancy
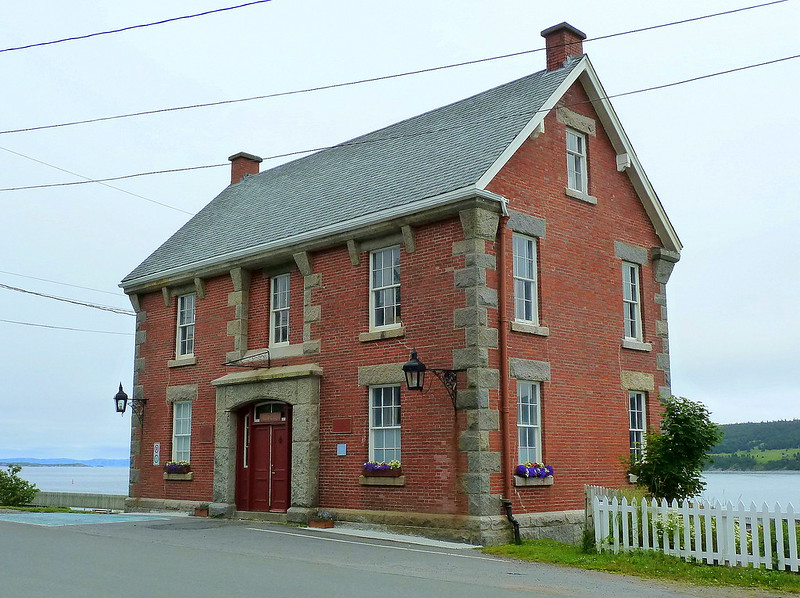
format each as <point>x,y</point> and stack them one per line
<point>723,534</point>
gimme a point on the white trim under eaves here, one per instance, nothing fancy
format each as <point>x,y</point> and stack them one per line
<point>332,229</point>
<point>534,122</point>
<point>622,145</point>
<point>619,139</point>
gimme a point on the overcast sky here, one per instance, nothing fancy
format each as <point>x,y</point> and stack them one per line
<point>722,154</point>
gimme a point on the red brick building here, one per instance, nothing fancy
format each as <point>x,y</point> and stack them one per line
<point>512,236</point>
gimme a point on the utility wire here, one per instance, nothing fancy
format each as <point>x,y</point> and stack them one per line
<point>65,328</point>
<point>376,140</point>
<point>131,27</point>
<point>115,310</point>
<point>370,79</point>
<point>66,284</point>
<point>5,149</point>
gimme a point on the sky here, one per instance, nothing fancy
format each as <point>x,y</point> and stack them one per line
<point>721,152</point>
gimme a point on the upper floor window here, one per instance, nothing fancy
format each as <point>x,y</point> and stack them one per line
<point>529,427</point>
<point>632,309</point>
<point>636,417</point>
<point>279,311</point>
<point>185,334</point>
<point>181,430</point>
<point>526,307</point>
<point>384,285</point>
<point>384,423</point>
<point>576,161</point>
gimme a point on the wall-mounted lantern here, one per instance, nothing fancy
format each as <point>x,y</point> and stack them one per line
<point>121,401</point>
<point>415,370</point>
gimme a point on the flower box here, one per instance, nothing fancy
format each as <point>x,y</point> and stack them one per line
<point>383,473</point>
<point>521,481</point>
<point>320,523</point>
<point>180,467</point>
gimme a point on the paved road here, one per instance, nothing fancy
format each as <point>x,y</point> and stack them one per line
<point>199,558</point>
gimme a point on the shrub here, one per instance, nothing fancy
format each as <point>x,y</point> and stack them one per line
<point>673,459</point>
<point>15,491</point>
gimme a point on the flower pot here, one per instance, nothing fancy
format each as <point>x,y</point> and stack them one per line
<point>320,523</point>
<point>177,468</point>
<point>382,473</point>
<point>201,511</point>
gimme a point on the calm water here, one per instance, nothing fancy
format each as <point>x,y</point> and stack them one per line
<point>747,486</point>
<point>753,486</point>
<point>87,480</point>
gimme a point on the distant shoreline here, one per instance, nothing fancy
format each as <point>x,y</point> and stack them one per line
<point>26,464</point>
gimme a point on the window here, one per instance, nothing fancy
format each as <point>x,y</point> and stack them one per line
<point>279,311</point>
<point>384,423</point>
<point>181,430</point>
<point>636,406</point>
<point>576,161</point>
<point>385,288</point>
<point>528,422</point>
<point>526,307</point>
<point>632,310</point>
<point>185,336</point>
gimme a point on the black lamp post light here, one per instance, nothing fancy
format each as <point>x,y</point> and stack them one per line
<point>415,370</point>
<point>121,401</point>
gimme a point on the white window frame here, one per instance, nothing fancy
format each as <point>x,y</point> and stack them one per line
<point>279,310</point>
<point>184,337</point>
<point>631,301</point>
<point>379,289</point>
<point>182,431</point>
<point>526,293</point>
<point>385,430</point>
<point>577,171</point>
<point>637,422</point>
<point>529,421</point>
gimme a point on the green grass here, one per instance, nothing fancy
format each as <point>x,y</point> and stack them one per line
<point>28,509</point>
<point>647,564</point>
<point>765,455</point>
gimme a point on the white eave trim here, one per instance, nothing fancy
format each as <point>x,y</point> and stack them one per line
<point>533,123</point>
<point>332,229</point>
<point>619,139</point>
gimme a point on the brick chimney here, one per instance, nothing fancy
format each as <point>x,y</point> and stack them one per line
<point>243,164</point>
<point>562,41</point>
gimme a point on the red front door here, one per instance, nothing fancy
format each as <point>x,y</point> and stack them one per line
<point>263,458</point>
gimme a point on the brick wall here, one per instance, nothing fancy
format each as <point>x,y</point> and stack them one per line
<point>584,409</point>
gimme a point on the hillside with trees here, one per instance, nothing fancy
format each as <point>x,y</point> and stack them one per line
<point>766,446</point>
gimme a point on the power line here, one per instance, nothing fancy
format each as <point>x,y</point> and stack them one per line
<point>370,79</point>
<point>65,328</point>
<point>66,284</point>
<point>115,310</point>
<point>5,149</point>
<point>131,27</point>
<point>119,178</point>
<point>376,140</point>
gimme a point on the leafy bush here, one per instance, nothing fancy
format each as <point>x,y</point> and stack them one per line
<point>15,491</point>
<point>673,459</point>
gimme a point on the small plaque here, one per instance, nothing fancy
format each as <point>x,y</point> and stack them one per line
<point>156,453</point>
<point>341,450</point>
<point>342,425</point>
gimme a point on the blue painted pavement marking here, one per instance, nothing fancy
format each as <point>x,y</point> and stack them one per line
<point>60,519</point>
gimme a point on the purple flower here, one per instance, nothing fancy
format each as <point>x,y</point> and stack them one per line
<point>522,471</point>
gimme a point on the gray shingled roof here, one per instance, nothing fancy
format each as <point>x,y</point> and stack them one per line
<point>425,156</point>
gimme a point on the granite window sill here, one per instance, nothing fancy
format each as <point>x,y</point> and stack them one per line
<point>179,477</point>
<point>376,335</point>
<point>580,196</point>
<point>530,328</point>
<point>628,343</point>
<point>381,481</point>
<point>181,361</point>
